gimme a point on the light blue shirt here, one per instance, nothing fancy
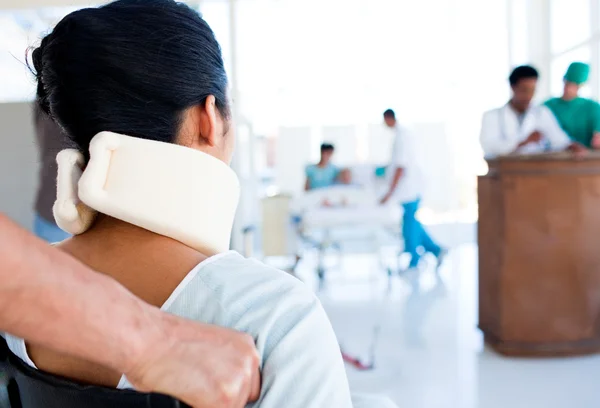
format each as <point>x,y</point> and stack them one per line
<point>320,177</point>
<point>301,363</point>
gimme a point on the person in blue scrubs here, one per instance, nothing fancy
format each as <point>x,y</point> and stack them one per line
<point>405,180</point>
<point>323,174</point>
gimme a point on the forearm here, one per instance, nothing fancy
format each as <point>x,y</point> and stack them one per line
<point>52,300</point>
<point>519,145</point>
<point>575,147</point>
<point>399,172</point>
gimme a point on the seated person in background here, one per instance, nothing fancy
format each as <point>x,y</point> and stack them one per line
<point>519,127</point>
<point>579,117</point>
<point>152,204</point>
<point>324,173</point>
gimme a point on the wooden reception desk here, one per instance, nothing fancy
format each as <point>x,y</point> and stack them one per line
<point>539,255</point>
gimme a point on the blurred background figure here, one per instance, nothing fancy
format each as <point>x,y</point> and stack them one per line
<point>405,180</point>
<point>579,117</point>
<point>345,176</point>
<point>324,173</point>
<point>50,141</point>
<point>519,127</point>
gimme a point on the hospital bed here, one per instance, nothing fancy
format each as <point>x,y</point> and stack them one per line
<point>324,218</point>
<point>349,210</point>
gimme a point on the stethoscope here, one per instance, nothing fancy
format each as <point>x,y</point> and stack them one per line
<point>503,134</point>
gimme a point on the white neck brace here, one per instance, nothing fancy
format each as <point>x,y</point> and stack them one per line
<point>168,189</point>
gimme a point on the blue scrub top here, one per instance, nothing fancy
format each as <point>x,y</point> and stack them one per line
<point>320,177</point>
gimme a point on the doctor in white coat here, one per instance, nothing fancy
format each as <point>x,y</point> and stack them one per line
<point>405,187</point>
<point>520,128</point>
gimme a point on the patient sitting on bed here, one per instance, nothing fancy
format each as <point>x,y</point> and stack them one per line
<point>325,174</point>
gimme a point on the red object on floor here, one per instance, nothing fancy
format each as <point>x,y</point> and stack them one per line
<point>356,363</point>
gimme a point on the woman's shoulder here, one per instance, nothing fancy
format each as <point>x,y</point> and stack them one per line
<point>228,288</point>
<point>234,270</point>
<point>300,359</point>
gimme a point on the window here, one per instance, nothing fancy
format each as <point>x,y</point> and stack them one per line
<point>216,14</point>
<point>19,30</point>
<point>518,33</point>
<point>570,23</point>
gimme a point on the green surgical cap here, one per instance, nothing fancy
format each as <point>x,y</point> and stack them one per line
<point>578,73</point>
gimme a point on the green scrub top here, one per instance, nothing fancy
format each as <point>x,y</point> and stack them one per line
<point>579,118</point>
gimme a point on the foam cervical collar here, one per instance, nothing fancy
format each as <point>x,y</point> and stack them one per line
<point>168,189</point>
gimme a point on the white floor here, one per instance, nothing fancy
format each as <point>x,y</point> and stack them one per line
<point>429,352</point>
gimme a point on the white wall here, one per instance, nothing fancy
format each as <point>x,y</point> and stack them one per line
<point>25,4</point>
<point>18,162</point>
<point>435,151</point>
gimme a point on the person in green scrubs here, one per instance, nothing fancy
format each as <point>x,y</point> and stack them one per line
<point>579,117</point>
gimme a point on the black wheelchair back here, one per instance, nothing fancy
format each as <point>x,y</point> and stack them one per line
<point>30,388</point>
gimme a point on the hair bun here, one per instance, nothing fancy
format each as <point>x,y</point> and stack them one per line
<point>110,68</point>
<point>37,59</point>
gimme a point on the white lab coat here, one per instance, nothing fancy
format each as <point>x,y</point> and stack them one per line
<point>404,156</point>
<point>501,132</point>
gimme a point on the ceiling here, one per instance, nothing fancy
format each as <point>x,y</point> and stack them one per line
<point>29,4</point>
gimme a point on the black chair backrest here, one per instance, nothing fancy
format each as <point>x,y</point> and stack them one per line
<point>31,388</point>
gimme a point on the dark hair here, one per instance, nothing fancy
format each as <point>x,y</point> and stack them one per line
<point>327,147</point>
<point>522,72</point>
<point>131,67</point>
<point>389,114</point>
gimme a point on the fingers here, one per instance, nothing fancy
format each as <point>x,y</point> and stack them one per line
<point>233,393</point>
<point>241,396</point>
<point>252,370</point>
<point>238,381</point>
<point>202,365</point>
<point>228,387</point>
<point>254,393</point>
<point>243,386</point>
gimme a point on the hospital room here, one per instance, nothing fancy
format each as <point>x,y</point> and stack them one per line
<point>299,203</point>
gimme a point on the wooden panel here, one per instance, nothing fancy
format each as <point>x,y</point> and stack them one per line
<point>540,275</point>
<point>546,298</point>
<point>490,231</point>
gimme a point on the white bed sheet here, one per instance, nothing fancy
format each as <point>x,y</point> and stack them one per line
<point>372,216</point>
<point>352,206</point>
